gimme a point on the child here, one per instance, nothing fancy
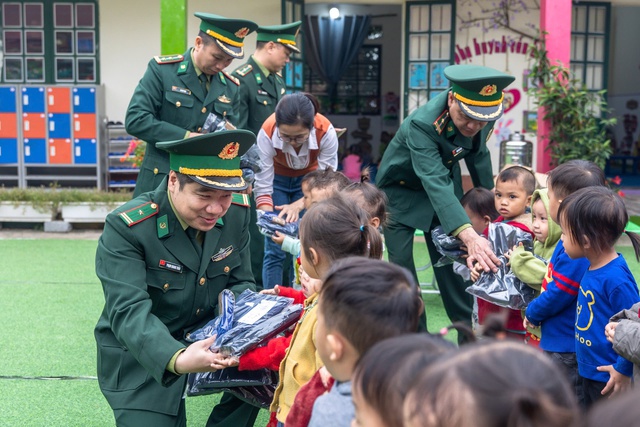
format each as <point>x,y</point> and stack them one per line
<point>592,220</point>
<point>555,309</point>
<point>496,383</point>
<point>316,186</point>
<point>378,391</point>
<point>368,197</point>
<point>352,163</point>
<point>330,230</point>
<point>514,187</point>
<point>480,207</point>
<point>531,267</point>
<point>362,301</point>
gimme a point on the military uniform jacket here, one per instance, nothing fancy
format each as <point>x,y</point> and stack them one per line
<point>157,289</point>
<point>169,101</point>
<point>258,95</point>
<point>420,173</point>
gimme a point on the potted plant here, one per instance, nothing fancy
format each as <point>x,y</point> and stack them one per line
<point>42,204</point>
<point>578,116</point>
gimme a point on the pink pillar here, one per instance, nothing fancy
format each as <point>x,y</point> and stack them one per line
<point>555,19</point>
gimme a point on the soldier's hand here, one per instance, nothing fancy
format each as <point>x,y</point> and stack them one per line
<point>192,134</point>
<point>199,358</point>
<point>479,250</point>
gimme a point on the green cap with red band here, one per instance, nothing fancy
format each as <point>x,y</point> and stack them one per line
<point>479,90</point>
<point>229,33</point>
<point>212,159</point>
<point>284,34</point>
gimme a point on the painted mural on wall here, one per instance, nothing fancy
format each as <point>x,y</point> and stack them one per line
<point>498,34</point>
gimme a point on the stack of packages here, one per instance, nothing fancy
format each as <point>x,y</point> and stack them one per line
<point>243,324</point>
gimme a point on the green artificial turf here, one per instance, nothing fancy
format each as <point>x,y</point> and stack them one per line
<point>51,301</point>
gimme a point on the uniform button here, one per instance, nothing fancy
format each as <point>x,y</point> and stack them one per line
<point>204,110</point>
<point>166,286</point>
<point>202,281</point>
<point>264,102</point>
<point>178,104</point>
<point>199,129</point>
<point>226,269</point>
<point>154,206</point>
<point>155,171</point>
<point>198,311</point>
<point>402,182</point>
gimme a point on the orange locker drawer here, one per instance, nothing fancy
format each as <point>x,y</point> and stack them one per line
<point>84,126</point>
<point>59,100</point>
<point>34,125</point>
<point>8,125</point>
<point>60,151</point>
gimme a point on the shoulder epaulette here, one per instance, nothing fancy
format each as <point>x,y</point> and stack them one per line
<point>441,121</point>
<point>243,70</point>
<point>233,79</point>
<point>139,213</point>
<point>240,200</point>
<point>168,59</point>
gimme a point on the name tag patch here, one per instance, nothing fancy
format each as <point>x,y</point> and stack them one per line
<point>262,92</point>
<point>168,265</point>
<point>180,90</point>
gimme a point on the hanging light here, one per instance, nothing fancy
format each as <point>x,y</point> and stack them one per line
<point>334,13</point>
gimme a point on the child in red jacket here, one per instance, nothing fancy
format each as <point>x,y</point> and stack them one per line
<point>514,187</point>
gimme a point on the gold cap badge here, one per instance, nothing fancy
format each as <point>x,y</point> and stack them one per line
<point>489,90</point>
<point>229,151</point>
<point>242,32</point>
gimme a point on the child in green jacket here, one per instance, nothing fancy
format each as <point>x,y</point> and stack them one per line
<point>532,267</point>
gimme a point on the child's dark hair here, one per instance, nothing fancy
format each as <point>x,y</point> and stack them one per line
<point>481,201</point>
<point>521,175</point>
<point>620,410</point>
<point>339,229</point>
<point>297,109</point>
<point>573,175</point>
<point>374,200</point>
<point>319,179</point>
<point>384,388</point>
<point>596,215</point>
<point>495,383</point>
<point>368,300</point>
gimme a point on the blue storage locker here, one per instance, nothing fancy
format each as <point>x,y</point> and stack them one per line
<point>59,125</point>
<point>33,100</point>
<point>84,100</point>
<point>35,150</point>
<point>84,151</point>
<point>8,99</point>
<point>8,151</point>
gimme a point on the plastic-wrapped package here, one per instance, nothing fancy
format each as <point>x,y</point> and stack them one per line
<point>256,318</point>
<point>250,164</point>
<point>230,378</point>
<point>448,246</point>
<point>260,396</point>
<point>504,288</point>
<point>269,222</point>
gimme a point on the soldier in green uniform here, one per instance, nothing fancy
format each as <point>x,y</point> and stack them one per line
<point>421,176</point>
<point>262,86</point>
<point>163,258</point>
<point>177,93</point>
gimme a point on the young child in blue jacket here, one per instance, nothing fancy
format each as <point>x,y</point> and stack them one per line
<point>592,220</point>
